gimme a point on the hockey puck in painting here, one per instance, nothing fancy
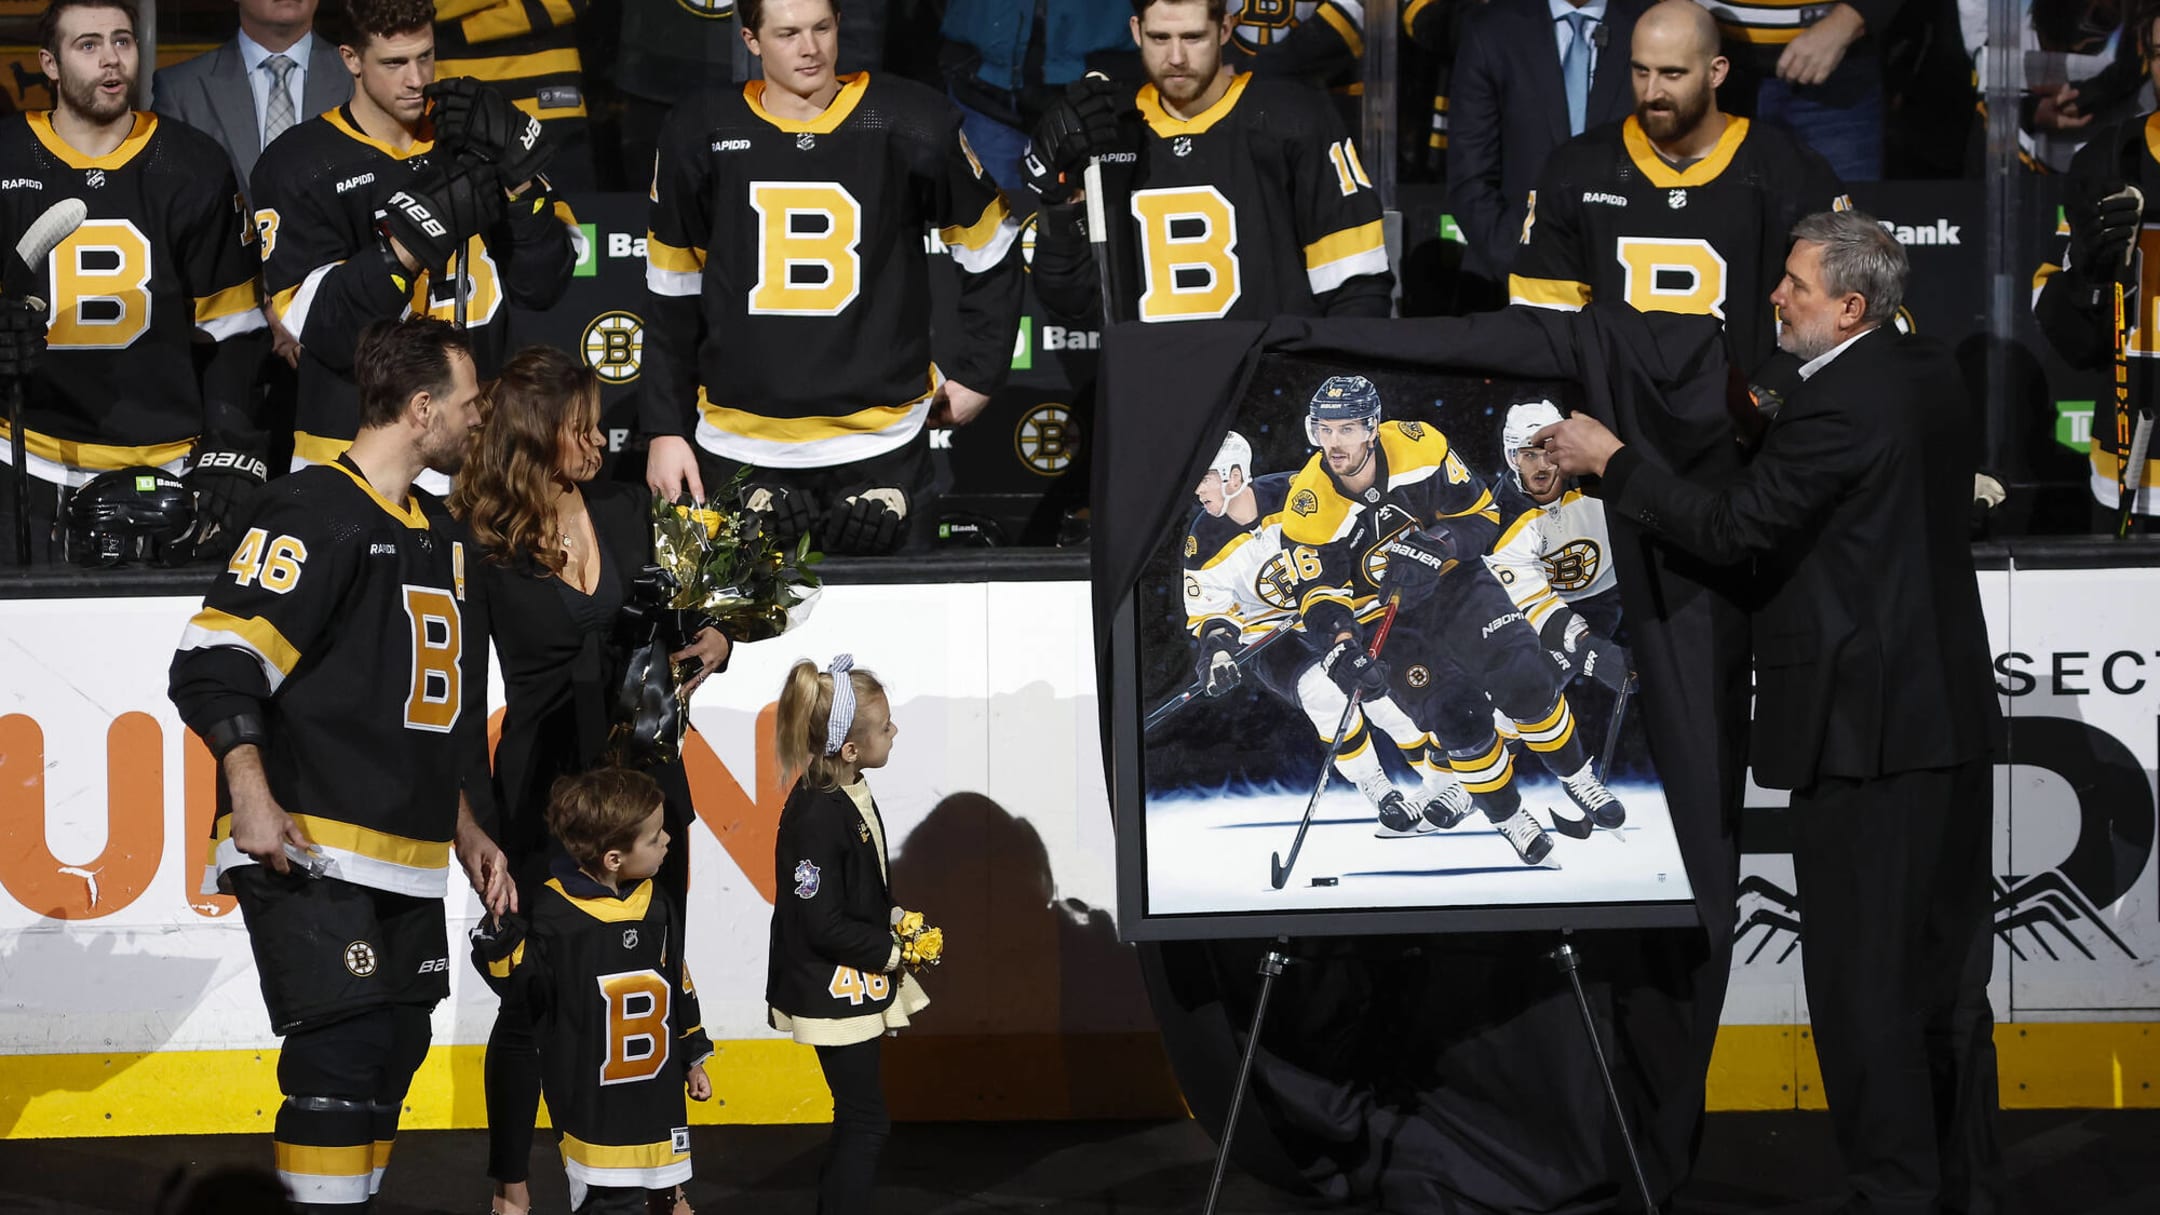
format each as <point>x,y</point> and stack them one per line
<point>1326,881</point>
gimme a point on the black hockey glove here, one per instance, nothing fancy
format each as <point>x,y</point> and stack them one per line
<point>432,216</point>
<point>494,940</point>
<point>1579,652</point>
<point>1217,667</point>
<point>224,484</point>
<point>1354,670</point>
<point>1418,558</point>
<point>785,512</point>
<point>475,119</point>
<point>22,339</point>
<point>1082,125</point>
<point>867,521</point>
<point>2104,223</point>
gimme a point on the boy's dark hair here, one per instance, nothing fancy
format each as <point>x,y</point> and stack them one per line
<point>598,812</point>
<point>365,19</point>
<point>1215,8</point>
<point>48,26</point>
<point>396,359</point>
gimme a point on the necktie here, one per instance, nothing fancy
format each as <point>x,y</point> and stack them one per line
<point>1575,67</point>
<point>279,114</point>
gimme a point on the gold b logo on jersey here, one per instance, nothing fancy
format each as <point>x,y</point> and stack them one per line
<point>1670,274</point>
<point>1188,248</point>
<point>808,236</point>
<point>1574,567</point>
<point>100,284</point>
<point>614,346</point>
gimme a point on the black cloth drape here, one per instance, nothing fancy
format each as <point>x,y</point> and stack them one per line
<point>1451,1073</point>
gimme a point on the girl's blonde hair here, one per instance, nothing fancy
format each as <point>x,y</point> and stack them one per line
<point>805,713</point>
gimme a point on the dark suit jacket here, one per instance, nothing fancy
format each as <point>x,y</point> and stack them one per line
<point>1871,655</point>
<point>557,678</point>
<point>1507,110</point>
<point>210,93</point>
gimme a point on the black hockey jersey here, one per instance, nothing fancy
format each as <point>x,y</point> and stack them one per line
<point>1255,208</point>
<point>789,322</point>
<point>832,951</point>
<point>1321,42</point>
<point>167,251</point>
<point>526,48</point>
<point>342,624</point>
<point>1611,220</point>
<point>603,977</point>
<point>2078,315</point>
<point>318,192</point>
<point>1333,539</point>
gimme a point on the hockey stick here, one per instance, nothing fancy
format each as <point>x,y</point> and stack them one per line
<point>1099,240</point>
<point>1279,869</point>
<point>1170,707</point>
<point>44,235</point>
<point>2132,438</point>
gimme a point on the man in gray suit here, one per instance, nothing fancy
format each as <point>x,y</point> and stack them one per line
<point>272,75</point>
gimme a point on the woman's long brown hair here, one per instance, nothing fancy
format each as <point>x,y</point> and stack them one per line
<point>506,491</point>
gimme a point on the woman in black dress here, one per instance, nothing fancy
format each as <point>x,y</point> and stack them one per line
<point>559,554</point>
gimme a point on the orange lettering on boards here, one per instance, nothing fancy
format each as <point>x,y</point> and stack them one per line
<point>134,821</point>
<point>747,827</point>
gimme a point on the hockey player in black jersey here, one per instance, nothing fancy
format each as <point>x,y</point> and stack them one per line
<point>1386,510</point>
<point>1229,195</point>
<point>1678,208</point>
<point>598,962</point>
<point>338,671</point>
<point>788,327</point>
<point>163,262</point>
<point>380,209</point>
<point>1554,555</point>
<point>1239,592</point>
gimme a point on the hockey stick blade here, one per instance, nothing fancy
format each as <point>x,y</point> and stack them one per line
<point>1573,828</point>
<point>1278,873</point>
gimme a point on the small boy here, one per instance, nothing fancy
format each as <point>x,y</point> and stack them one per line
<point>601,971</point>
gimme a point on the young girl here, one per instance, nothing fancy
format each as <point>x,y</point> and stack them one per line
<point>837,937</point>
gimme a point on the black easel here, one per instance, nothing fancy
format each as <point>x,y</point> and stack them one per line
<point>1276,959</point>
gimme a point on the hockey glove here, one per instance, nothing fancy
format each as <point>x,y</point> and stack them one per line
<point>1579,652</point>
<point>1354,670</point>
<point>432,216</point>
<point>496,940</point>
<point>1218,668</point>
<point>2104,224</point>
<point>22,339</point>
<point>1082,125</point>
<point>224,485</point>
<point>1418,558</point>
<point>867,521</point>
<point>475,119</point>
<point>785,511</point>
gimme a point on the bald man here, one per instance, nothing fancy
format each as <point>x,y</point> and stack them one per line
<point>1678,207</point>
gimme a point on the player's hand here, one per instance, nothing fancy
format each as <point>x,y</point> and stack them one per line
<point>1217,669</point>
<point>867,521</point>
<point>1082,125</point>
<point>710,647</point>
<point>670,465</point>
<point>1578,445</point>
<point>224,484</point>
<point>2058,111</point>
<point>432,217</point>
<point>956,404</point>
<point>477,119</point>
<point>1419,558</point>
<point>484,863</point>
<point>700,1083</point>
<point>2105,219</point>
<point>263,830</point>
<point>1811,57</point>
<point>22,339</point>
<point>1353,670</point>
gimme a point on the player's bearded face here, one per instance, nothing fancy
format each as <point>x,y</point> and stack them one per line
<point>1180,48</point>
<point>453,419</point>
<point>1347,446</point>
<point>1540,479</point>
<point>1670,109</point>
<point>95,68</point>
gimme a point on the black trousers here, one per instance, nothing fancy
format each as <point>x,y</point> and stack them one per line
<point>1896,914</point>
<point>860,1127</point>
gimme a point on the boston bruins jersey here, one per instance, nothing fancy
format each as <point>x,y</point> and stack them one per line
<point>319,190</point>
<point>1611,220</point>
<point>1320,41</point>
<point>1234,572</point>
<point>1254,208</point>
<point>1333,538</point>
<point>789,320</point>
<point>342,625</point>
<point>619,1028</point>
<point>526,48</point>
<point>1552,555</point>
<point>165,252</point>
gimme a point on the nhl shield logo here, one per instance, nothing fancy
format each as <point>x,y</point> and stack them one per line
<point>94,178</point>
<point>1181,146</point>
<point>360,959</point>
<point>629,938</point>
<point>805,141</point>
<point>806,880</point>
<point>1676,199</point>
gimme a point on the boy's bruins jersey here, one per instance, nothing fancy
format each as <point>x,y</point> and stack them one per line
<point>1611,220</point>
<point>342,626</point>
<point>1254,208</point>
<point>1552,555</point>
<point>1332,537</point>
<point>166,251</point>
<point>526,48</point>
<point>319,190</point>
<point>1235,572</point>
<point>789,320</point>
<point>603,975</point>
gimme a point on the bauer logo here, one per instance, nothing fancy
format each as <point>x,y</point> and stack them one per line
<point>1045,439</point>
<point>614,346</point>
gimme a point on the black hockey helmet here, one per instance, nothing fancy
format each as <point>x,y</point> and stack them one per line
<point>129,515</point>
<point>1343,398</point>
